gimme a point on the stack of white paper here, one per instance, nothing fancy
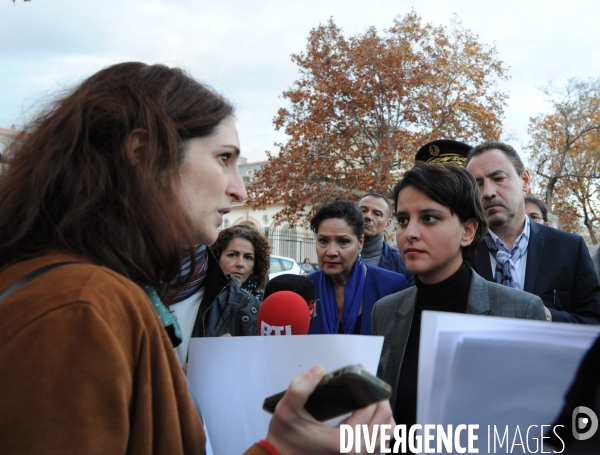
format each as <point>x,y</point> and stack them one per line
<point>497,372</point>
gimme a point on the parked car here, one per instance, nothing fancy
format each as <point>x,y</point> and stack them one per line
<point>281,265</point>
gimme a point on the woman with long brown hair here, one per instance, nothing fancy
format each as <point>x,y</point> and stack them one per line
<point>101,199</point>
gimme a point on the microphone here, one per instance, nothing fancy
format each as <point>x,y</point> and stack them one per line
<point>283,313</point>
<point>295,283</point>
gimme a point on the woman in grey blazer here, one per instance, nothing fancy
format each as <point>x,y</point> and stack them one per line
<point>440,222</point>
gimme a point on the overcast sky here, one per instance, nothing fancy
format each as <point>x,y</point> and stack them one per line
<point>242,48</point>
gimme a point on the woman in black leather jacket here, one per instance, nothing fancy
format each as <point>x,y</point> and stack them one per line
<point>244,253</point>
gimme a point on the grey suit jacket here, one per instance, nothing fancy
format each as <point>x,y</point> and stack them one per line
<point>392,317</point>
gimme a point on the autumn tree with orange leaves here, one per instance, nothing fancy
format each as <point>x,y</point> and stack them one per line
<point>565,152</point>
<point>364,104</point>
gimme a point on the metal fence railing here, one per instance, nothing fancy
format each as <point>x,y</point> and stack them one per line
<point>293,243</point>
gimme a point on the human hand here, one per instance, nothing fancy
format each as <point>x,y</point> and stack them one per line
<point>294,431</point>
<point>548,315</point>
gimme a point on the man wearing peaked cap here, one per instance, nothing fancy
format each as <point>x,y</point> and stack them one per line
<point>444,151</point>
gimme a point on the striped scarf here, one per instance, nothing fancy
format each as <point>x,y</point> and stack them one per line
<point>505,258</point>
<point>198,277</point>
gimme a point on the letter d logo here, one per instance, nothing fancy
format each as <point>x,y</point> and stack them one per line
<point>581,422</point>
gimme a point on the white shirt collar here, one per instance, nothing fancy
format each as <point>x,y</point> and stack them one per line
<point>526,230</point>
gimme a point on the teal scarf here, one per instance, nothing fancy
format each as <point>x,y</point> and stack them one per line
<point>169,321</point>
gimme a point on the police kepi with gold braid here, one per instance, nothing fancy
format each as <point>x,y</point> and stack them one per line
<point>444,151</point>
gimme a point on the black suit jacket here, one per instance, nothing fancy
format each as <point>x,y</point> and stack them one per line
<point>560,270</point>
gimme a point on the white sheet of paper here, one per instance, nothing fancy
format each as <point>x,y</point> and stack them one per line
<point>507,382</point>
<point>441,334</point>
<point>231,377</point>
<point>496,371</point>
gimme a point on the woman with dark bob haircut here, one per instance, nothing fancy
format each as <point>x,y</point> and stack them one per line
<point>101,199</point>
<point>244,253</point>
<point>440,221</point>
<point>345,287</point>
